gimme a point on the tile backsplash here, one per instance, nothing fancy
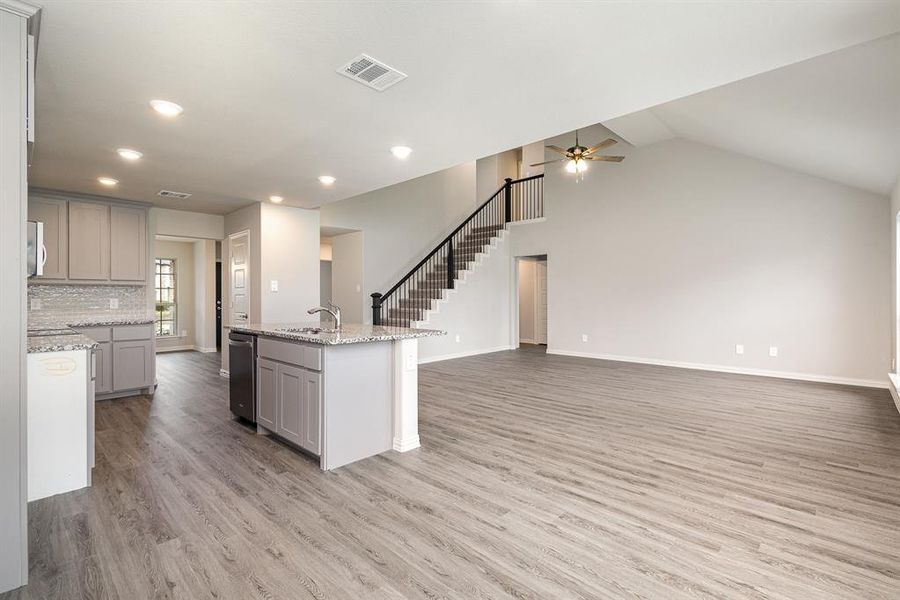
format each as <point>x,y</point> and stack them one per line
<point>55,305</point>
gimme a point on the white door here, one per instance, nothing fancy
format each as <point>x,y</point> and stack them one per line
<point>540,301</point>
<point>239,266</point>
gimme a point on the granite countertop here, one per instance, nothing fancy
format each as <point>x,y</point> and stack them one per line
<point>104,321</point>
<point>60,341</point>
<point>350,333</point>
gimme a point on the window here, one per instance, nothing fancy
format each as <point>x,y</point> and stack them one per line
<point>166,324</point>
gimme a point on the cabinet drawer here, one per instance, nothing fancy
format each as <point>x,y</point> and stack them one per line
<point>98,334</point>
<point>132,332</point>
<point>296,353</point>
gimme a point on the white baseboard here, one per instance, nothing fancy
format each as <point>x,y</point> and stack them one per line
<point>727,369</point>
<point>524,341</point>
<point>162,349</point>
<point>431,359</point>
<point>894,381</point>
<point>206,350</point>
<point>406,445</point>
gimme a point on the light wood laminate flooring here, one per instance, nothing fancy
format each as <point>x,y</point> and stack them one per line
<point>540,477</point>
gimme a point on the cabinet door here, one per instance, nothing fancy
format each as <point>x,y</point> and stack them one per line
<point>88,241</point>
<point>312,410</point>
<point>103,383</point>
<point>291,389</point>
<point>132,365</point>
<point>53,213</point>
<point>128,243</point>
<point>266,393</point>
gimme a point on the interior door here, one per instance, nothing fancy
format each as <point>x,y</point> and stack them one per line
<point>540,304</point>
<point>239,269</point>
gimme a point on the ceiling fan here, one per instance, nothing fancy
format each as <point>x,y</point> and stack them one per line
<point>578,155</point>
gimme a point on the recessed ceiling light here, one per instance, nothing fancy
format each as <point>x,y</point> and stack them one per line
<point>129,154</point>
<point>326,179</point>
<point>401,152</point>
<point>108,181</point>
<point>276,199</point>
<point>164,107</point>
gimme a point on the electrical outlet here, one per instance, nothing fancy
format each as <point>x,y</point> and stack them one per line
<point>738,348</point>
<point>583,337</point>
<point>773,351</point>
<point>358,288</point>
<point>184,333</point>
<point>36,304</point>
<point>114,303</point>
<point>273,285</point>
<point>457,337</point>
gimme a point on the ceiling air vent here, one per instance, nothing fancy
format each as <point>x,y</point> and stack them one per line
<point>173,195</point>
<point>371,72</point>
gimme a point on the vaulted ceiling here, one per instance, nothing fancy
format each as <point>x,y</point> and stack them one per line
<point>836,116</point>
<point>265,112</point>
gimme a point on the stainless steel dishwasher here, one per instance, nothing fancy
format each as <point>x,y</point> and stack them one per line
<point>242,375</point>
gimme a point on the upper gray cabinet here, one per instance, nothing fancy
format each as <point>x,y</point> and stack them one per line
<point>53,213</point>
<point>91,241</point>
<point>88,240</point>
<point>128,243</point>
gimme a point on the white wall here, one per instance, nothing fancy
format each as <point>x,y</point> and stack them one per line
<point>290,254</point>
<point>182,223</point>
<point>533,154</point>
<point>205,295</point>
<point>490,172</point>
<point>683,251</point>
<point>404,222</point>
<point>526,300</point>
<point>347,275</point>
<point>895,281</point>
<point>183,253</point>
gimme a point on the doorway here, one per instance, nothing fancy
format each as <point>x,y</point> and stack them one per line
<point>532,300</point>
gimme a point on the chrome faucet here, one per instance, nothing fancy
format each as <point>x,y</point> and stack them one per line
<point>332,309</point>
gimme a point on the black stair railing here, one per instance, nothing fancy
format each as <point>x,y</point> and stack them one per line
<point>516,200</point>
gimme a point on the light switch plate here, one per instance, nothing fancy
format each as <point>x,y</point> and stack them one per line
<point>273,285</point>
<point>773,351</point>
<point>583,337</point>
<point>358,288</point>
<point>457,337</point>
<point>409,361</point>
<point>114,303</point>
<point>739,349</point>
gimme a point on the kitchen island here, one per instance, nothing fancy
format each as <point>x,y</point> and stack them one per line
<point>340,395</point>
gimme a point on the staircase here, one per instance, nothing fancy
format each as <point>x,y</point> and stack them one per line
<point>413,296</point>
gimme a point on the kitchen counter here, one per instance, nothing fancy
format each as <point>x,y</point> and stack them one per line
<point>64,337</point>
<point>350,333</point>
<point>60,341</point>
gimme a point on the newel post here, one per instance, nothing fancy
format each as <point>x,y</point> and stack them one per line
<point>507,199</point>
<point>376,308</point>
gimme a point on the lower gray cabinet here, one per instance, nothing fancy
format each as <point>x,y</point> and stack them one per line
<point>289,424</point>
<point>310,430</point>
<point>266,393</point>
<point>103,383</point>
<point>132,362</point>
<point>289,403</point>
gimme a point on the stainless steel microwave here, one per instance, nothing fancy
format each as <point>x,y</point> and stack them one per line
<point>37,252</point>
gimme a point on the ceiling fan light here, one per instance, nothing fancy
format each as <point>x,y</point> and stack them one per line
<point>571,167</point>
<point>581,165</point>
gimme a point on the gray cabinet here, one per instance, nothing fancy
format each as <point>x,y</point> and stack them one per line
<point>289,396</point>
<point>88,240</point>
<point>311,409</point>
<point>103,383</point>
<point>132,364</point>
<point>290,423</point>
<point>53,213</point>
<point>266,393</point>
<point>128,243</point>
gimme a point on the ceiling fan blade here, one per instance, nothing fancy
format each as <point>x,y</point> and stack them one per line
<point>558,149</point>
<point>600,146</point>
<point>547,162</point>
<point>606,158</point>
